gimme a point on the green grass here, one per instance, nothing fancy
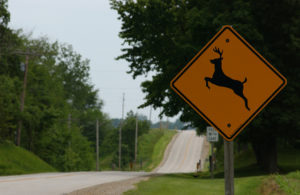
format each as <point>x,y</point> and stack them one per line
<point>249,179</point>
<point>15,160</point>
<point>105,162</point>
<point>289,183</point>
<point>151,147</point>
<point>186,184</point>
<point>159,148</point>
<point>288,162</point>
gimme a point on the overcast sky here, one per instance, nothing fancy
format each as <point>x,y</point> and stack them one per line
<point>92,28</point>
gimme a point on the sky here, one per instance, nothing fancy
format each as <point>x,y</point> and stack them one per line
<point>92,28</point>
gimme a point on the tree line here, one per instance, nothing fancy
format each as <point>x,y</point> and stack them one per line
<point>162,36</point>
<point>61,105</point>
<point>164,124</point>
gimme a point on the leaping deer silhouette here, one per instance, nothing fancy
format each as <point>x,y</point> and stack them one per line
<point>220,79</point>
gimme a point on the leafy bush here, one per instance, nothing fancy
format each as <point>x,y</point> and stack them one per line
<point>66,150</point>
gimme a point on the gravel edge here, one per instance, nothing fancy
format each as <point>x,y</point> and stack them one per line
<point>112,188</point>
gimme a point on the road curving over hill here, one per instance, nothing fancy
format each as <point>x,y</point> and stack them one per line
<point>183,153</point>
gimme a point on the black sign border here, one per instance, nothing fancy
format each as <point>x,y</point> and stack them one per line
<point>254,113</point>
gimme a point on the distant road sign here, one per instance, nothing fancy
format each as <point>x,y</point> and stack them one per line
<point>228,83</point>
<point>212,135</point>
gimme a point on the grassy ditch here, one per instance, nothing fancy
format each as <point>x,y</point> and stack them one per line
<point>152,147</point>
<point>186,184</point>
<point>15,160</point>
<point>249,179</point>
<point>289,183</point>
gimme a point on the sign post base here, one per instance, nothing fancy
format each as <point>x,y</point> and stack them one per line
<point>228,167</point>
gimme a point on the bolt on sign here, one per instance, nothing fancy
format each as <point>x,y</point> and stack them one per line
<point>212,135</point>
<point>228,83</point>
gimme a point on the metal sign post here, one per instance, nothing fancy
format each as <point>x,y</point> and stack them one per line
<point>228,167</point>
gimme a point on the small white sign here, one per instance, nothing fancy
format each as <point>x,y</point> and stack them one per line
<point>212,135</point>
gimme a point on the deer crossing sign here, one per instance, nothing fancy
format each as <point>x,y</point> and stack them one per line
<point>228,83</point>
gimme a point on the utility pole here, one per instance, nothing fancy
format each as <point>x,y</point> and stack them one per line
<point>136,137</point>
<point>70,101</point>
<point>22,100</point>
<point>120,132</point>
<point>20,122</point>
<point>69,127</point>
<point>97,145</point>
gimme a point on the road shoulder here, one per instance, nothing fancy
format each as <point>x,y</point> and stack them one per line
<point>112,188</point>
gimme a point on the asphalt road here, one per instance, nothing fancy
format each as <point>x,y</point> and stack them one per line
<point>181,156</point>
<point>59,183</point>
<point>184,153</point>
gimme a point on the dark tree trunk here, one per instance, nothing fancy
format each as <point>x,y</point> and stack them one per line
<point>266,154</point>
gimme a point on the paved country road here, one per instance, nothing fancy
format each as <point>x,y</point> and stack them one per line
<point>59,183</point>
<point>183,154</point>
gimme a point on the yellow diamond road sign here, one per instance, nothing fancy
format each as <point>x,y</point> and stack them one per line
<point>228,83</point>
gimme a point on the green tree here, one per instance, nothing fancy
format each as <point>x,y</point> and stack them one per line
<point>111,142</point>
<point>54,76</point>
<point>87,122</point>
<point>66,149</point>
<point>9,104</point>
<point>58,86</point>
<point>128,135</point>
<point>10,74</point>
<point>162,36</point>
<point>4,14</point>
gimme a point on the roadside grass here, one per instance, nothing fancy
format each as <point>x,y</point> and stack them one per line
<point>249,179</point>
<point>105,163</point>
<point>151,148</point>
<point>269,186</point>
<point>277,184</point>
<point>289,179</point>
<point>177,184</point>
<point>158,148</point>
<point>15,160</point>
<point>289,183</point>
<point>244,164</point>
<point>186,184</point>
